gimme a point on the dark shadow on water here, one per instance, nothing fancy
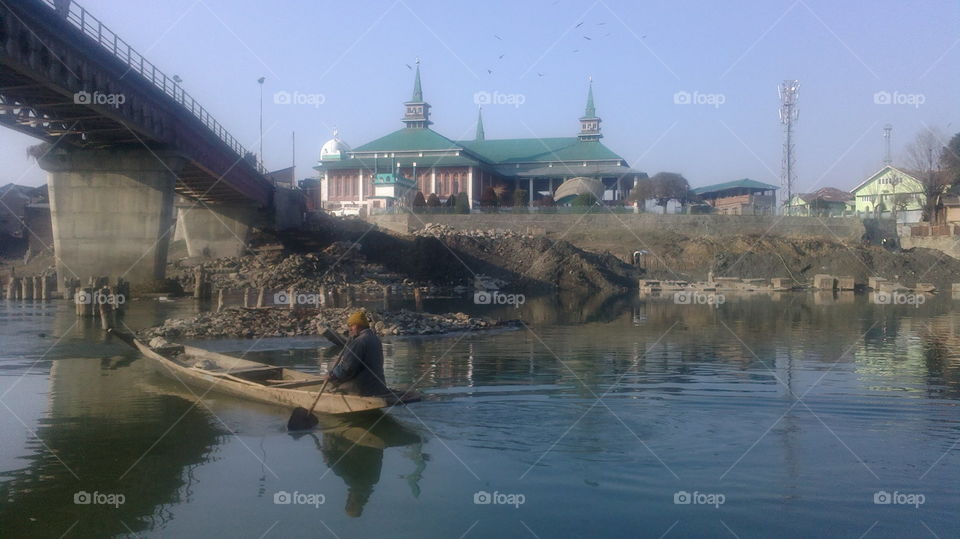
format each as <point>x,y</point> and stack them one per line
<point>353,446</point>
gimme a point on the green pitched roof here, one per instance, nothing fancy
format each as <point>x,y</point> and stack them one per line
<point>745,183</point>
<point>591,111</point>
<point>384,163</point>
<point>480,136</point>
<point>409,139</point>
<point>532,150</point>
<point>417,92</point>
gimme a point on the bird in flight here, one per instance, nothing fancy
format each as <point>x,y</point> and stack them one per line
<point>578,25</point>
<point>587,38</point>
<point>498,37</point>
<point>408,67</point>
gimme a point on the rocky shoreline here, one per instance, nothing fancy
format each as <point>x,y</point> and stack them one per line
<point>284,322</point>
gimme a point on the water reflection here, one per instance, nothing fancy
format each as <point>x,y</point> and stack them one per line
<point>100,435</point>
<point>352,448</point>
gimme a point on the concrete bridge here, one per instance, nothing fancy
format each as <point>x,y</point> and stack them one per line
<point>124,140</point>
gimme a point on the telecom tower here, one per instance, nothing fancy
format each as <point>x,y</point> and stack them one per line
<point>887,156</point>
<point>789,113</point>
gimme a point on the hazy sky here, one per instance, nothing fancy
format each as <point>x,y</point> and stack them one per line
<point>353,56</point>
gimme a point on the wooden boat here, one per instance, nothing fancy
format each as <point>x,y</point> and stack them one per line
<point>290,388</point>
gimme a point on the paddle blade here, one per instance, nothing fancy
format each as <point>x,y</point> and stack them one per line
<point>302,419</point>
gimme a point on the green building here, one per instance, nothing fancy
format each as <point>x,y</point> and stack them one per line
<point>437,164</point>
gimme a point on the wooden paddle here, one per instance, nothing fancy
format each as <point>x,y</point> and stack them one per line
<point>303,419</point>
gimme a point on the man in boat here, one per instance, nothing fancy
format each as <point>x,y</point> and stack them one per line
<point>359,370</point>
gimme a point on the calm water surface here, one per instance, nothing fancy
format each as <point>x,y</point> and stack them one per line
<point>773,417</point>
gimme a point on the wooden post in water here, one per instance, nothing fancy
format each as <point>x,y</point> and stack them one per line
<point>45,287</point>
<point>199,281</point>
<point>12,286</point>
<point>292,297</point>
<point>26,287</point>
<point>37,286</point>
<point>122,289</point>
<point>90,305</point>
<point>105,308</point>
<point>418,298</point>
<point>71,286</point>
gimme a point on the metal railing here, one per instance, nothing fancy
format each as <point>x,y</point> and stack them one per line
<point>95,29</point>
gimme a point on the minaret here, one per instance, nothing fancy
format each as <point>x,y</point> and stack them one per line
<point>417,111</point>
<point>480,136</point>
<point>590,122</point>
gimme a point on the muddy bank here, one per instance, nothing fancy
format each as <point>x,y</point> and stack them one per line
<point>534,262</point>
<point>281,322</point>
<point>351,255</point>
<point>799,260</point>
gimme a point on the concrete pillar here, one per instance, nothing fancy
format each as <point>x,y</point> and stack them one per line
<point>470,187</point>
<point>433,180</point>
<point>530,194</point>
<point>112,211</point>
<point>216,230</point>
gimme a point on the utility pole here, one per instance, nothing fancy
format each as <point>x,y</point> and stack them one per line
<point>887,156</point>
<point>789,113</point>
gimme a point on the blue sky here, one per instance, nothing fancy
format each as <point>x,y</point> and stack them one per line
<point>640,54</point>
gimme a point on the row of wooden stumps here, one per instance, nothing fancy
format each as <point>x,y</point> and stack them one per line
<point>42,287</point>
<point>98,299</point>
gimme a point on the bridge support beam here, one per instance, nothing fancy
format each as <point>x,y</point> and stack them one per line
<point>216,230</point>
<point>112,211</point>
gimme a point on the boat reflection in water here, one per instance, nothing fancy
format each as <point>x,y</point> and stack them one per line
<point>352,448</point>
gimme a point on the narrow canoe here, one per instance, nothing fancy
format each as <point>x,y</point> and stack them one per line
<point>210,371</point>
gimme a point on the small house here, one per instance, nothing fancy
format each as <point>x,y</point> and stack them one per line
<point>741,197</point>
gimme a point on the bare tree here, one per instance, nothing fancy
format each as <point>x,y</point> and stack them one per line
<point>662,188</point>
<point>925,155</point>
<point>950,160</point>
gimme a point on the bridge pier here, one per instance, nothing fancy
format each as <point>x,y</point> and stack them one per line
<point>112,211</point>
<point>216,230</point>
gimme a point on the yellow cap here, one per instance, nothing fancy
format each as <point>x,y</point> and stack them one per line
<point>359,318</point>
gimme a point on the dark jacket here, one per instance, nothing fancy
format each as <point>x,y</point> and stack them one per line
<point>360,370</point>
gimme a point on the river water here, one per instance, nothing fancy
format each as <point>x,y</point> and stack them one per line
<point>795,415</point>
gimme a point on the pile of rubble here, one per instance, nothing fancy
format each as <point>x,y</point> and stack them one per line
<point>340,264</point>
<point>438,230</point>
<point>280,322</point>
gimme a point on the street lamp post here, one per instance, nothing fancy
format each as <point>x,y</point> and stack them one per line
<point>260,81</point>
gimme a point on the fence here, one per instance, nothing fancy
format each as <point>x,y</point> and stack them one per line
<point>96,30</point>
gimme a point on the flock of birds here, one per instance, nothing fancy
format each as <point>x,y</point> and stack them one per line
<point>539,74</point>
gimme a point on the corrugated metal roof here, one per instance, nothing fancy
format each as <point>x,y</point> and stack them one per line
<point>745,183</point>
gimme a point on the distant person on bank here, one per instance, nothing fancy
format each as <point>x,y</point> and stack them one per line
<point>360,367</point>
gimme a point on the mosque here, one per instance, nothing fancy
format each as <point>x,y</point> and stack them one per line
<point>388,171</point>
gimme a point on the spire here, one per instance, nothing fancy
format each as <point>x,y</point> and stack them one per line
<point>417,91</point>
<point>590,122</point>
<point>480,135</point>
<point>590,112</point>
<point>417,111</point>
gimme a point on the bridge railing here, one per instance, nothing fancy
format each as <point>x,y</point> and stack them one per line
<point>96,30</point>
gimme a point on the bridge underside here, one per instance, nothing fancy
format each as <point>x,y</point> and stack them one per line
<point>45,113</point>
<point>123,140</point>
